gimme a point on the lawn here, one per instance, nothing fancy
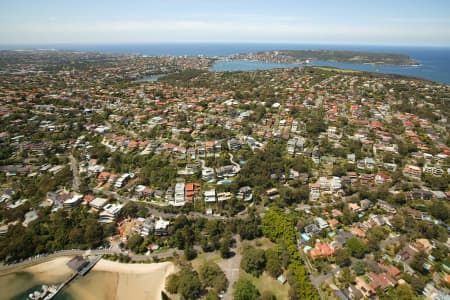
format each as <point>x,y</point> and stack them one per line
<point>266,282</point>
<point>263,243</point>
<point>205,257</point>
<point>337,70</point>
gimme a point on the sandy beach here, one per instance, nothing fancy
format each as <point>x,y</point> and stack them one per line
<point>107,280</point>
<point>51,270</point>
<point>16,283</point>
<point>113,280</point>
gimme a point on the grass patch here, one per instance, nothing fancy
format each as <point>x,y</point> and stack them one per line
<point>336,70</point>
<point>262,243</point>
<point>266,282</point>
<point>205,257</point>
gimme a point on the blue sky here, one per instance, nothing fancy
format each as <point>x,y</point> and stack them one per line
<point>393,22</point>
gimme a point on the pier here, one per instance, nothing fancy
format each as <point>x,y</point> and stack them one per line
<point>81,267</point>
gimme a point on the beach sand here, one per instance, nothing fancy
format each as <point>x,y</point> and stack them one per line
<point>107,280</point>
<point>113,280</point>
<point>14,284</point>
<point>52,270</point>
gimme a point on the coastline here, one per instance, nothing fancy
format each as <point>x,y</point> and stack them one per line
<point>107,280</point>
<point>51,270</point>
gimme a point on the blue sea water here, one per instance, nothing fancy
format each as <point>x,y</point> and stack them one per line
<point>434,61</point>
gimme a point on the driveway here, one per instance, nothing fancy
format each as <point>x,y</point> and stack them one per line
<point>231,268</point>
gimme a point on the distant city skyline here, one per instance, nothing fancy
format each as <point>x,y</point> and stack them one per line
<point>413,22</point>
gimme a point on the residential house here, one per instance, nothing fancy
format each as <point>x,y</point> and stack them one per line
<point>321,250</point>
<point>412,171</point>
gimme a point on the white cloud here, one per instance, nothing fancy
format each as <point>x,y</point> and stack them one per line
<point>241,29</point>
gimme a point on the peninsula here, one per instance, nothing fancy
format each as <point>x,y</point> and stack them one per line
<point>304,56</point>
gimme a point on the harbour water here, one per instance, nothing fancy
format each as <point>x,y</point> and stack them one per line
<point>434,61</point>
<point>95,285</point>
<point>247,65</point>
<point>107,280</point>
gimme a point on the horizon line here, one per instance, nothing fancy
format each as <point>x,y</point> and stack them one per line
<point>221,42</point>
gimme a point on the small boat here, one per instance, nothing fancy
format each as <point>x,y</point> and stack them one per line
<point>46,292</point>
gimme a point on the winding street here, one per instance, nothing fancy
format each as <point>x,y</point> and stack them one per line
<point>230,267</point>
<point>76,176</point>
<point>238,167</point>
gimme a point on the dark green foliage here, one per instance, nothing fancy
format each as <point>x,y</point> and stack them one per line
<point>225,248</point>
<point>158,172</point>
<point>401,292</point>
<point>253,261</point>
<point>416,282</point>
<point>343,257</point>
<point>244,290</point>
<point>418,262</point>
<point>351,56</point>
<point>164,296</point>
<point>212,295</point>
<point>212,276</point>
<point>186,283</point>
<point>172,283</point>
<point>359,267</point>
<point>185,75</point>
<point>279,227</point>
<point>357,247</point>
<point>256,172</point>
<point>52,232</point>
<point>249,229</point>
<point>190,253</point>
<point>375,235</point>
<point>439,210</point>
<point>273,263</point>
<point>134,243</point>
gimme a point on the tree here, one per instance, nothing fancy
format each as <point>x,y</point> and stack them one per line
<point>253,261</point>
<point>439,210</point>
<point>212,295</point>
<point>402,292</point>
<point>357,248</point>
<point>343,257</point>
<point>225,248</point>
<point>359,267</point>
<point>440,252</point>
<point>398,222</point>
<point>134,243</point>
<point>190,253</point>
<point>418,262</point>
<point>212,276</point>
<point>279,227</point>
<point>346,277</point>
<point>273,263</point>
<point>268,295</point>
<point>244,289</point>
<point>172,283</point>
<point>189,285</point>
<point>416,282</point>
<point>375,235</point>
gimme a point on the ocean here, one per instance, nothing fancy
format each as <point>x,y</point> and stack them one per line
<point>434,61</point>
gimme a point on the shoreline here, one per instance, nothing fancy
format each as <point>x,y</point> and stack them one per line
<point>106,279</point>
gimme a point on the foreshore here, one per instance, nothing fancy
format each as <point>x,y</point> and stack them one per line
<point>108,279</point>
<point>138,281</point>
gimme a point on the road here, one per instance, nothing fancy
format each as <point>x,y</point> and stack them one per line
<point>158,213</point>
<point>238,167</point>
<point>318,280</point>
<point>76,176</point>
<point>315,280</point>
<point>231,268</point>
<point>389,241</point>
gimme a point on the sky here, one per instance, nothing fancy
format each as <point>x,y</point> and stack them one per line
<point>364,22</point>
